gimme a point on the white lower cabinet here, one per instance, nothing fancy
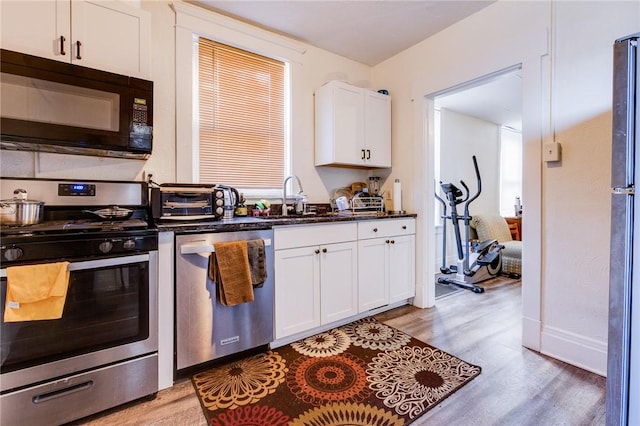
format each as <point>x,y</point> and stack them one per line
<point>316,276</point>
<point>328,272</point>
<point>386,262</point>
<point>374,268</point>
<point>402,266</point>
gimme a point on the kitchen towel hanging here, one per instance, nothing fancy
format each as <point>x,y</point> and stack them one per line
<point>36,292</point>
<point>230,270</point>
<point>257,262</point>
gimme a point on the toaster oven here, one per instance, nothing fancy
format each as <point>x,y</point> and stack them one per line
<point>187,202</point>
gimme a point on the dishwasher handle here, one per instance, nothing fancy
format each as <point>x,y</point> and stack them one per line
<point>202,247</point>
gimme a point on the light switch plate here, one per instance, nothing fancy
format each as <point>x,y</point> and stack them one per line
<point>552,152</point>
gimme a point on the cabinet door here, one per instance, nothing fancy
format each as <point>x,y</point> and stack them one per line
<point>339,281</point>
<point>402,260</point>
<point>348,116</point>
<point>35,28</point>
<point>112,36</point>
<point>373,270</point>
<point>297,278</point>
<point>377,129</point>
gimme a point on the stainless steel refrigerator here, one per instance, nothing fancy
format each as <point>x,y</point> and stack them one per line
<point>623,381</point>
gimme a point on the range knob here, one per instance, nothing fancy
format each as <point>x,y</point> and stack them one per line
<point>129,245</point>
<point>105,246</point>
<point>13,253</point>
<point>219,211</point>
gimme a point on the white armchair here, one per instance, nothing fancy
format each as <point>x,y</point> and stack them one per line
<point>494,227</point>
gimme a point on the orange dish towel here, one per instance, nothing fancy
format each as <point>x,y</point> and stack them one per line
<point>232,273</point>
<point>36,292</point>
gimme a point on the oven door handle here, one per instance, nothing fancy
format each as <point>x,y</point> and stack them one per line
<point>98,263</point>
<point>202,247</point>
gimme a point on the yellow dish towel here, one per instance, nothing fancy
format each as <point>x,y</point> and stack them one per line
<point>36,292</point>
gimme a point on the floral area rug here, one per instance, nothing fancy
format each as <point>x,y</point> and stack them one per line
<point>363,374</point>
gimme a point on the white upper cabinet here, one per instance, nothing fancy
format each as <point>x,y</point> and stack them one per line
<point>352,126</point>
<point>377,129</point>
<point>107,35</point>
<point>41,29</point>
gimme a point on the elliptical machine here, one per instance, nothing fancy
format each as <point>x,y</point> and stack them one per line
<point>485,261</point>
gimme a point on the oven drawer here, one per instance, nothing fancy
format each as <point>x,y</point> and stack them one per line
<point>81,395</point>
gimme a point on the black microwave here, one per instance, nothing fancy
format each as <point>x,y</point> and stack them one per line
<point>52,106</point>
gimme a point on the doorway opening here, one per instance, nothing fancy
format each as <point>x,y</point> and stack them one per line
<point>482,117</point>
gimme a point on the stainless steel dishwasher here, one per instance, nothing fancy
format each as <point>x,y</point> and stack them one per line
<point>205,329</point>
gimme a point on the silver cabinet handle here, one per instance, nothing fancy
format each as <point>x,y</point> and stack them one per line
<point>38,399</point>
<point>201,247</point>
<point>99,263</point>
<point>62,40</point>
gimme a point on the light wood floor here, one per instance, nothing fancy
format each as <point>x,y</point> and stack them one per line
<point>517,386</point>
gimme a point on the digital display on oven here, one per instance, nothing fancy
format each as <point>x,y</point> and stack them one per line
<point>77,189</point>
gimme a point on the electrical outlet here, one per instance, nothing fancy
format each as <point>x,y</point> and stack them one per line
<point>552,152</point>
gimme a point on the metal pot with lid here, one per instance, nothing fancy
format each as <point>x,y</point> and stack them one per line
<point>20,210</point>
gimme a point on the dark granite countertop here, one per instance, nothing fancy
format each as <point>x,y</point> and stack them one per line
<point>267,222</point>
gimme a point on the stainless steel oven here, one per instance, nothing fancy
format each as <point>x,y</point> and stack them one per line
<point>102,352</point>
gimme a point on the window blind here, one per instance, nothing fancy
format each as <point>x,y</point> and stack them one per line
<point>241,113</point>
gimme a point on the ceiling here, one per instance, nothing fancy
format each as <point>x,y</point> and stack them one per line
<point>370,32</point>
<point>365,31</point>
<point>497,100</point>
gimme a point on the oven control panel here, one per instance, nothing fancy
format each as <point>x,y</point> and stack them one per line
<point>76,190</point>
<point>28,250</point>
<point>120,244</point>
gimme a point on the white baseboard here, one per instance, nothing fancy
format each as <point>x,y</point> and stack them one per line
<point>584,352</point>
<point>531,333</point>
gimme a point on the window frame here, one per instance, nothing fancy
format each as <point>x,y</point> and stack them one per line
<point>193,22</point>
<point>249,192</point>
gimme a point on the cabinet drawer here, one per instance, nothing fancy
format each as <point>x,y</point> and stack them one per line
<point>313,235</point>
<point>385,228</point>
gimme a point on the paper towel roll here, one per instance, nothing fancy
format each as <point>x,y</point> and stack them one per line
<point>397,196</point>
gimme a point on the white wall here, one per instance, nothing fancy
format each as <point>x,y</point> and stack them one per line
<point>462,137</point>
<point>565,52</point>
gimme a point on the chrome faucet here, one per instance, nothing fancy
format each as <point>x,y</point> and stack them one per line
<point>300,198</point>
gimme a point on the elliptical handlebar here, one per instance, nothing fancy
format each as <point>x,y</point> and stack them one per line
<point>466,192</point>
<point>467,217</point>
<point>479,181</point>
